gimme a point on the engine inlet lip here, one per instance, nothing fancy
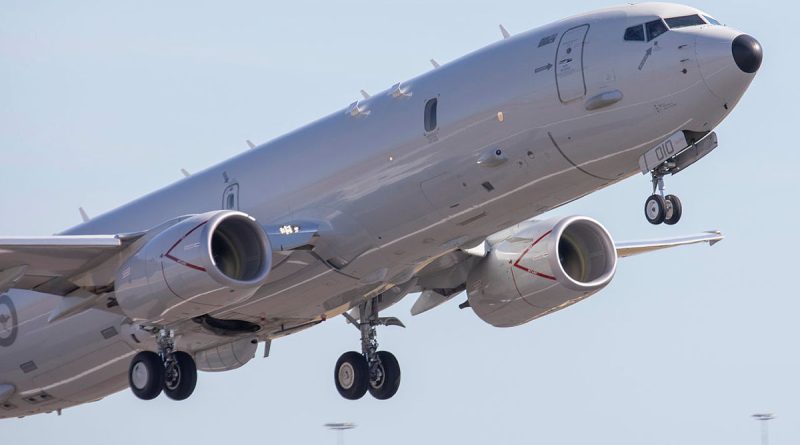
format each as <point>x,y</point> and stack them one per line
<point>558,269</point>
<point>264,245</point>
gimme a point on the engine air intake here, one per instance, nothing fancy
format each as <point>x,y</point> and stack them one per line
<point>237,250</point>
<point>585,254</point>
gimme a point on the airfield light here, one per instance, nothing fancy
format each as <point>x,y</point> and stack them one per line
<point>764,418</point>
<point>340,428</point>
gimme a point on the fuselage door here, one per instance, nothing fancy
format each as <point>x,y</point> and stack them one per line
<point>569,64</point>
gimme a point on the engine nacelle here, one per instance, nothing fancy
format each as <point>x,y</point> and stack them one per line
<point>193,267</point>
<point>539,267</point>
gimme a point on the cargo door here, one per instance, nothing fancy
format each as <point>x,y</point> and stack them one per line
<point>569,64</point>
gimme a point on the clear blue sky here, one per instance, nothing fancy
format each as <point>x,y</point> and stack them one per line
<point>101,102</point>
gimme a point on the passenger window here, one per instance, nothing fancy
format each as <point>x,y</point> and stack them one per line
<point>430,115</point>
<point>655,29</point>
<point>684,21</point>
<point>635,33</point>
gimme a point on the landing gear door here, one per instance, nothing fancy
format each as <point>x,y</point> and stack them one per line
<point>569,64</point>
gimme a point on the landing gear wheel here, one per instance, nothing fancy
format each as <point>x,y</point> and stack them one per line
<point>388,382</point>
<point>654,209</point>
<point>145,375</point>
<point>180,376</point>
<point>351,375</point>
<point>673,210</point>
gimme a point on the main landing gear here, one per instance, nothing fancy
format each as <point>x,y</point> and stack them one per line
<point>170,371</point>
<point>660,208</point>
<point>371,370</point>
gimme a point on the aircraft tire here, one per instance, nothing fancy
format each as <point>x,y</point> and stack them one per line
<point>673,210</point>
<point>351,375</point>
<point>390,381</point>
<point>145,375</point>
<point>181,379</point>
<point>654,209</point>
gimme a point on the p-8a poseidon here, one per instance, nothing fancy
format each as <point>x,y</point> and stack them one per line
<point>428,187</point>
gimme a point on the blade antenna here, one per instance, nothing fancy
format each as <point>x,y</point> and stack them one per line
<point>84,215</point>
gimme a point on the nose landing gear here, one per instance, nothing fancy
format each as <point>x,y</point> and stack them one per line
<point>371,370</point>
<point>659,208</point>
<point>671,157</point>
<point>170,371</point>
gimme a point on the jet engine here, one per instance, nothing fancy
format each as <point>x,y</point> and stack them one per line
<point>199,264</point>
<point>539,267</point>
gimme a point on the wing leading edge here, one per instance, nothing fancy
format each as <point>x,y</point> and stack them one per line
<point>44,262</point>
<point>58,264</point>
<point>630,248</point>
<point>436,290</point>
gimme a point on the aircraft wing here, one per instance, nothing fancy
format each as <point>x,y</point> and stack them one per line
<point>630,248</point>
<point>443,280</point>
<point>45,263</point>
<point>60,264</point>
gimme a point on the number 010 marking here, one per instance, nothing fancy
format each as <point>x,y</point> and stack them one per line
<point>665,150</point>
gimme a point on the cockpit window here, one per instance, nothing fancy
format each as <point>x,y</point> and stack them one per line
<point>684,21</point>
<point>655,29</point>
<point>635,33</point>
<point>712,20</point>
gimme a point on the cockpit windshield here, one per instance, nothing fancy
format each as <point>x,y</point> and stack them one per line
<point>647,31</point>
<point>655,29</point>
<point>684,21</point>
<point>652,29</point>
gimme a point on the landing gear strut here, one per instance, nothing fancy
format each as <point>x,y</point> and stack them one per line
<point>660,208</point>
<point>171,371</point>
<point>371,370</point>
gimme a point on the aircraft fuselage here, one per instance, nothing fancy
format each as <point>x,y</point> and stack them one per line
<point>520,127</point>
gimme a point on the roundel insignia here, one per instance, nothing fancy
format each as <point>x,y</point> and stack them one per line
<point>8,321</point>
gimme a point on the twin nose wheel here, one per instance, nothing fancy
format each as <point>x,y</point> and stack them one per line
<point>663,209</point>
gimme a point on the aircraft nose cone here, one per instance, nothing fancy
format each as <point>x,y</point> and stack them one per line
<point>747,53</point>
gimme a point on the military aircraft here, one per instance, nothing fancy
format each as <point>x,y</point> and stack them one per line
<point>434,187</point>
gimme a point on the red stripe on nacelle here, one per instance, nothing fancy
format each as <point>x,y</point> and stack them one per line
<point>180,261</point>
<point>531,271</point>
